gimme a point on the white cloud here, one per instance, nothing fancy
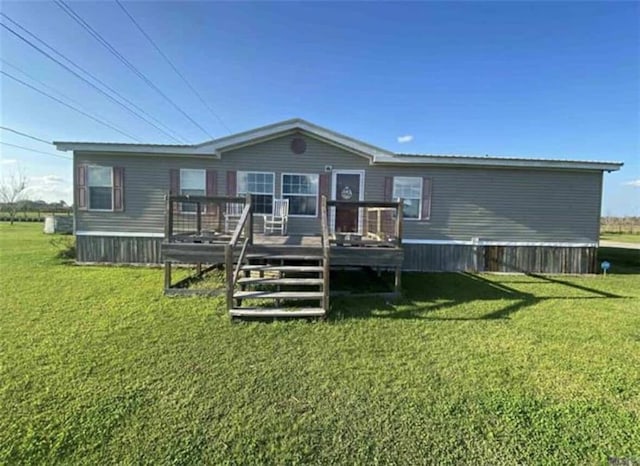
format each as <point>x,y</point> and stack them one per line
<point>633,183</point>
<point>50,188</point>
<point>406,138</point>
<point>8,161</point>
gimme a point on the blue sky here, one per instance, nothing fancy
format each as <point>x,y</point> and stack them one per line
<point>557,80</point>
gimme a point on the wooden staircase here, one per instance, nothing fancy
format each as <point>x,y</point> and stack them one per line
<point>272,285</point>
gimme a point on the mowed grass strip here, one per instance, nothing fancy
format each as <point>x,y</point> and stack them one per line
<point>97,366</point>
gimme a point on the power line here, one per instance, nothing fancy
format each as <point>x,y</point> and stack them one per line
<point>24,134</point>
<point>173,66</point>
<point>102,122</point>
<point>42,83</point>
<point>35,150</point>
<point>78,19</point>
<point>31,44</point>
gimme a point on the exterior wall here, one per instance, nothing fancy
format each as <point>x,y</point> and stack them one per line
<point>417,257</point>
<point>510,205</point>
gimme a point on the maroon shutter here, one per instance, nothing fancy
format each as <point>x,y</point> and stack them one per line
<point>174,182</point>
<point>212,183</point>
<point>388,188</point>
<point>323,188</point>
<point>118,189</point>
<point>231,183</point>
<point>81,187</point>
<point>426,198</point>
<point>211,189</point>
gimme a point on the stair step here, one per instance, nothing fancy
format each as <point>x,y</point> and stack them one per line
<point>281,281</point>
<point>283,268</point>
<point>276,312</point>
<point>283,257</point>
<point>278,294</point>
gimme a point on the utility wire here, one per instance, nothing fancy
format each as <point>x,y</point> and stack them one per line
<point>28,42</point>
<point>102,122</point>
<point>172,65</point>
<point>35,150</point>
<point>55,91</point>
<point>25,135</point>
<point>42,83</point>
<point>78,19</point>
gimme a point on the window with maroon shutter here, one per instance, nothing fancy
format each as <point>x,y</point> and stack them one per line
<point>100,187</point>
<point>192,183</point>
<point>410,190</point>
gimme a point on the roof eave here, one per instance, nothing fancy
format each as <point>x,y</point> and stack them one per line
<point>503,163</point>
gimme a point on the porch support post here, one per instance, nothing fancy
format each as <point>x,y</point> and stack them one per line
<point>398,280</point>
<point>167,275</point>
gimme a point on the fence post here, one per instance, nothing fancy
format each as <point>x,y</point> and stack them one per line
<point>399,215</point>
<point>250,220</point>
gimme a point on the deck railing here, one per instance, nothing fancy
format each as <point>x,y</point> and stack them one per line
<point>201,218</point>
<point>378,223</point>
<point>326,253</point>
<point>245,224</point>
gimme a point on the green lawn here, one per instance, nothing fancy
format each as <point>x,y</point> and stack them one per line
<point>621,237</point>
<point>97,366</point>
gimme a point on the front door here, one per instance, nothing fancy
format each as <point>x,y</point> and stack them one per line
<point>347,188</point>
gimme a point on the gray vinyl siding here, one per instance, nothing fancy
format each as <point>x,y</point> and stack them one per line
<point>490,204</point>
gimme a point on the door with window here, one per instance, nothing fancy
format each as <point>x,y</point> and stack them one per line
<point>347,187</point>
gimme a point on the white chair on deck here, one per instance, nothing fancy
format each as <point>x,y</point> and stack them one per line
<point>232,215</point>
<point>278,218</point>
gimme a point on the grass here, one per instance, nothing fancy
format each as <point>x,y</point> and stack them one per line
<point>97,366</point>
<point>621,237</point>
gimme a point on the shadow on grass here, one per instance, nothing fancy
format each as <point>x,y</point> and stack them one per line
<point>427,293</point>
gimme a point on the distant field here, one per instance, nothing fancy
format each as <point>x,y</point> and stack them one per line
<point>621,237</point>
<point>98,367</point>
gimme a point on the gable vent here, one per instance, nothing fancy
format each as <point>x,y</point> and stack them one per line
<point>298,146</point>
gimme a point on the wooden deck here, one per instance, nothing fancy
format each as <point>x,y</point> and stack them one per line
<point>204,251</point>
<point>274,262</point>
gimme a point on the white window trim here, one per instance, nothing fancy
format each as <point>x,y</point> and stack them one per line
<point>420,199</point>
<point>89,190</point>
<point>204,179</point>
<point>259,194</point>
<point>316,195</point>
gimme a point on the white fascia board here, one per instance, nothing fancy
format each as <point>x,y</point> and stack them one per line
<point>501,163</point>
<point>135,149</point>
<point>121,234</point>
<point>559,244</point>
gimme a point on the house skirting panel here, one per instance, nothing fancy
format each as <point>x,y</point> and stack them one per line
<point>118,249</point>
<point>417,257</point>
<point>496,258</point>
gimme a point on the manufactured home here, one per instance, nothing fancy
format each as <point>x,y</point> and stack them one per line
<point>415,212</point>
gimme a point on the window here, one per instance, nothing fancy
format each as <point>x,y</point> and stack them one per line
<point>302,192</point>
<point>410,190</point>
<point>192,183</point>
<point>100,184</point>
<point>261,187</point>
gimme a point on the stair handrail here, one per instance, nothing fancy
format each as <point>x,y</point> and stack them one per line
<point>326,253</point>
<point>231,275</point>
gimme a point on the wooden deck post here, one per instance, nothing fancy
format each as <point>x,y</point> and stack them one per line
<point>228,269</point>
<point>167,275</point>
<point>399,215</point>
<point>199,218</point>
<point>249,231</point>
<point>168,218</point>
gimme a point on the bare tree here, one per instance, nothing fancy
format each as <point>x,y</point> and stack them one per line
<point>13,187</point>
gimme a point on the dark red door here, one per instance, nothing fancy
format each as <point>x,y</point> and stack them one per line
<point>347,189</point>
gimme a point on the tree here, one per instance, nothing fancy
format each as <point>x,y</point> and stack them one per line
<point>13,188</point>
